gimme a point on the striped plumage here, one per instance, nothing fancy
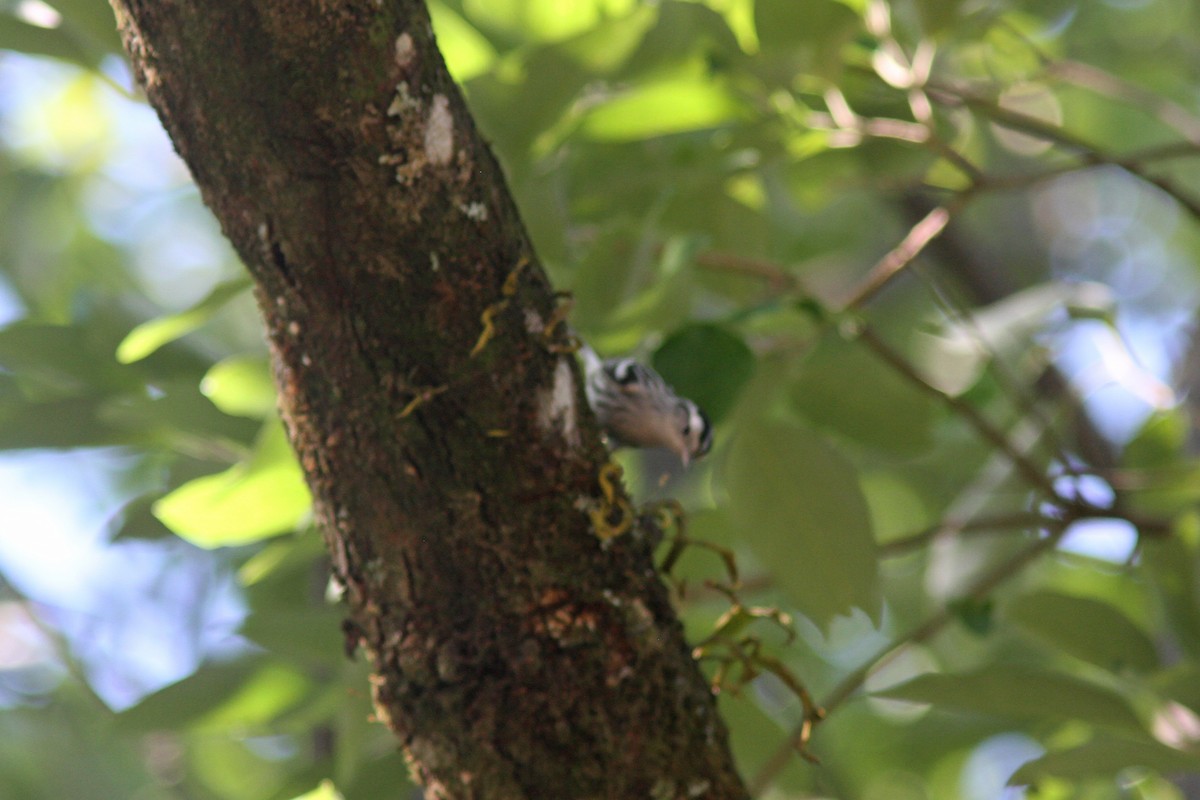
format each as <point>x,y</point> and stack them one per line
<point>636,407</point>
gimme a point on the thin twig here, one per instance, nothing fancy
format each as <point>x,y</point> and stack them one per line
<point>900,256</point>
<point>1089,154</point>
<point>1021,520</point>
<point>1092,77</point>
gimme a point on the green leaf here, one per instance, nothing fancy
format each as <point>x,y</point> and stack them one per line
<point>1105,756</point>
<point>302,634</point>
<point>262,497</point>
<point>61,42</point>
<point>324,791</point>
<point>976,615</point>
<point>149,336</point>
<point>1159,442</point>
<point>1088,629</point>
<point>54,361</point>
<point>807,37</point>
<point>673,105</point>
<point>241,386</point>
<point>708,364</point>
<point>174,412</point>
<point>1021,692</point>
<point>1172,569</point>
<point>67,423</point>
<point>843,387</point>
<point>93,20</point>
<point>467,53</point>
<point>798,503</point>
<point>175,706</point>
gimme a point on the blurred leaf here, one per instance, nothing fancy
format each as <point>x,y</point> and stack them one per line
<point>659,108</point>
<point>844,388</point>
<point>266,694</point>
<point>60,424</point>
<point>139,522</point>
<point>606,46</point>
<point>242,386</point>
<point>62,42</point>
<point>1021,692</point>
<point>708,364</point>
<point>262,497</point>
<point>1174,569</point>
<point>325,791</point>
<point>245,693</point>
<point>1160,440</point>
<point>1106,755</point>
<point>301,635</point>
<point>466,51</point>
<point>1088,629</point>
<point>797,502</point>
<point>177,413</point>
<point>808,37</point>
<point>149,336</point>
<point>541,20</point>
<point>177,706</point>
<point>53,361</point>
<point>977,615</point>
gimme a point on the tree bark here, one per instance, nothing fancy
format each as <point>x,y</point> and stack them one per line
<point>439,422</point>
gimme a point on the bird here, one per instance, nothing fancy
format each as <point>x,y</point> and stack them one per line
<point>637,408</point>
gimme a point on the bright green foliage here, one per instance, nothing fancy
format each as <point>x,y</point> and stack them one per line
<point>740,192</point>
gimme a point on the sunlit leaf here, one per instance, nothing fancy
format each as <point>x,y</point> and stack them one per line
<point>149,336</point>
<point>325,791</point>
<point>1089,629</point>
<point>265,695</point>
<point>262,497</point>
<point>466,51</point>
<point>797,501</point>
<point>1020,692</point>
<point>241,385</point>
<point>661,108</point>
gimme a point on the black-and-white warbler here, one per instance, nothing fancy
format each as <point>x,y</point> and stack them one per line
<point>636,407</point>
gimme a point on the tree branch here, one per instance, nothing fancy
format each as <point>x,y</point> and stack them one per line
<point>440,426</point>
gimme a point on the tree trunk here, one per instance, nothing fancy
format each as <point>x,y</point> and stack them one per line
<point>425,388</point>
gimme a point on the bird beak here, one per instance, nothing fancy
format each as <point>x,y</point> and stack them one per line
<point>683,456</point>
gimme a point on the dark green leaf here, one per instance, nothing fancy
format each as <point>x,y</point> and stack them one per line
<point>977,615</point>
<point>176,706</point>
<point>798,503</point>
<point>1088,629</point>
<point>1020,692</point>
<point>61,43</point>
<point>708,364</point>
<point>845,388</point>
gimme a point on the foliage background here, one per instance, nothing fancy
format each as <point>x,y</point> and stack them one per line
<point>930,265</point>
